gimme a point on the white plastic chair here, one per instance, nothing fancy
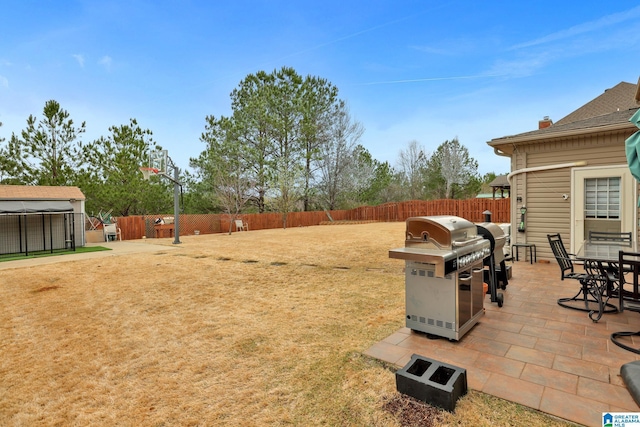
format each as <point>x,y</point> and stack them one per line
<point>112,232</point>
<point>241,225</point>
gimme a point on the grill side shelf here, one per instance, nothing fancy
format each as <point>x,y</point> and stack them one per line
<point>427,256</point>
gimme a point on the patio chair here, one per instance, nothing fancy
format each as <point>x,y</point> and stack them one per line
<point>600,282</point>
<point>589,296</point>
<point>112,232</point>
<point>629,274</point>
<point>241,225</point>
<point>629,267</point>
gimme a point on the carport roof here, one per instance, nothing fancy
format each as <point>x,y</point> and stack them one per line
<point>34,206</point>
<point>41,192</point>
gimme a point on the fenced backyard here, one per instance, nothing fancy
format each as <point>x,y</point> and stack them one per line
<point>261,328</point>
<point>135,227</point>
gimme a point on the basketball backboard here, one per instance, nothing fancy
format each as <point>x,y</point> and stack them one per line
<point>158,160</point>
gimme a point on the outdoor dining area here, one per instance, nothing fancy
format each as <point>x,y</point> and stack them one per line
<point>566,340</point>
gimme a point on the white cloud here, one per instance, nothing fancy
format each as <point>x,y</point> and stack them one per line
<point>78,57</point>
<point>106,62</point>
<point>519,67</point>
<point>4,82</point>
<point>587,27</point>
<point>433,79</point>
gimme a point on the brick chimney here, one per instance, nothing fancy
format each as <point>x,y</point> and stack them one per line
<point>545,122</point>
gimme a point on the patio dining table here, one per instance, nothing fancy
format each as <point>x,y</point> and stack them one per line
<point>599,257</point>
<point>604,251</point>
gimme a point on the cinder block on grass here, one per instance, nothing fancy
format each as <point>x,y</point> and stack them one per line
<point>436,383</point>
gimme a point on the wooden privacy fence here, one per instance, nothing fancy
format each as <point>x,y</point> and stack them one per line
<point>470,209</point>
<point>137,227</point>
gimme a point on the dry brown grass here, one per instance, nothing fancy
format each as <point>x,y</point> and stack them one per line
<point>258,328</point>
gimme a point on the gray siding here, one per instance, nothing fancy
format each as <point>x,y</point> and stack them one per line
<point>547,211</point>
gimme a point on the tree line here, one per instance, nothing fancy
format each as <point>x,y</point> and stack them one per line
<point>289,144</point>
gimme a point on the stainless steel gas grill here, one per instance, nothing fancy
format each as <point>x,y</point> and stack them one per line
<point>443,274</point>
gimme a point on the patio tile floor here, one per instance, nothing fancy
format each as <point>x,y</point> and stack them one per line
<point>534,352</point>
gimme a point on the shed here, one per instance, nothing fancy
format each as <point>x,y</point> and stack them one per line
<point>40,218</point>
<point>572,176</point>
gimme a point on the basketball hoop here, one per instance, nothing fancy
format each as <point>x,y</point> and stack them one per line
<point>147,172</point>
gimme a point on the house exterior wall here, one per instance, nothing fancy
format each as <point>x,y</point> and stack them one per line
<point>542,191</point>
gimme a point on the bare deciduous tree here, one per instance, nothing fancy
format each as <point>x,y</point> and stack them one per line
<point>337,155</point>
<point>450,166</point>
<point>411,166</point>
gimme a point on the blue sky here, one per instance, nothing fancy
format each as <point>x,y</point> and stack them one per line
<point>409,70</point>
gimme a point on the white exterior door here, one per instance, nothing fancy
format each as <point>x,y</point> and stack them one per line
<point>602,198</point>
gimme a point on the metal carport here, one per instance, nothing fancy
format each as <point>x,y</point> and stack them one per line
<point>28,226</point>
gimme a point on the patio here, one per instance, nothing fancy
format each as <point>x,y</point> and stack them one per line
<point>534,352</point>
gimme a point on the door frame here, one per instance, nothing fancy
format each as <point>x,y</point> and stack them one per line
<point>628,185</point>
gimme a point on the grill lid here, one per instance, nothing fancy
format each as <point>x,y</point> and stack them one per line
<point>494,233</point>
<point>448,242</point>
<point>439,232</point>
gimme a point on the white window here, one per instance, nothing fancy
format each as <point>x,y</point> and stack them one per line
<point>602,198</point>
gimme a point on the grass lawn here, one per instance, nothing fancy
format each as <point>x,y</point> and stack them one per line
<point>40,254</point>
<point>254,328</point>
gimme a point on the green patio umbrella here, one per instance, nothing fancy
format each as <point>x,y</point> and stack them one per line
<point>632,146</point>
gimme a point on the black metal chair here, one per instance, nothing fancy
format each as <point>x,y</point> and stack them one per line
<point>589,296</point>
<point>600,281</point>
<point>620,238</point>
<point>629,265</point>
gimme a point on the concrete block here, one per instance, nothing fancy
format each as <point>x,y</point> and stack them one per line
<point>436,383</point>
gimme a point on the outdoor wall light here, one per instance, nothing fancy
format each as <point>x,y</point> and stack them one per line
<point>565,196</point>
<point>521,224</point>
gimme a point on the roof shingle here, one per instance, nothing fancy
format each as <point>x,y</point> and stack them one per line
<point>621,97</point>
<point>31,192</point>
<point>617,117</point>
